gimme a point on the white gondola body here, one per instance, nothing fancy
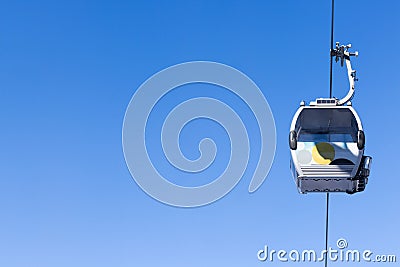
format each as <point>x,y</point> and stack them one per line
<point>328,155</point>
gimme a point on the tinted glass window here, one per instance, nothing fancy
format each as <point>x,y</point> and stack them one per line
<point>326,125</point>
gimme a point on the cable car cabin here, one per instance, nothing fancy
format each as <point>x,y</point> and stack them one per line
<point>327,148</point>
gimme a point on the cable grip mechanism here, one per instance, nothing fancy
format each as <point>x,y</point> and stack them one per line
<point>342,53</point>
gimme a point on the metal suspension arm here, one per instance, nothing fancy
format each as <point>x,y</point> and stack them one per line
<point>341,52</point>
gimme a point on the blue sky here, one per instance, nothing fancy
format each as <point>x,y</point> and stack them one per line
<point>68,71</point>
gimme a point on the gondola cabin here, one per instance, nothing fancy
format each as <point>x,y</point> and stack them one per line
<point>327,148</point>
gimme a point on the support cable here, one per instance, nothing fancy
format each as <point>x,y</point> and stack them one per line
<point>331,55</point>
<point>330,95</point>
<point>326,229</point>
